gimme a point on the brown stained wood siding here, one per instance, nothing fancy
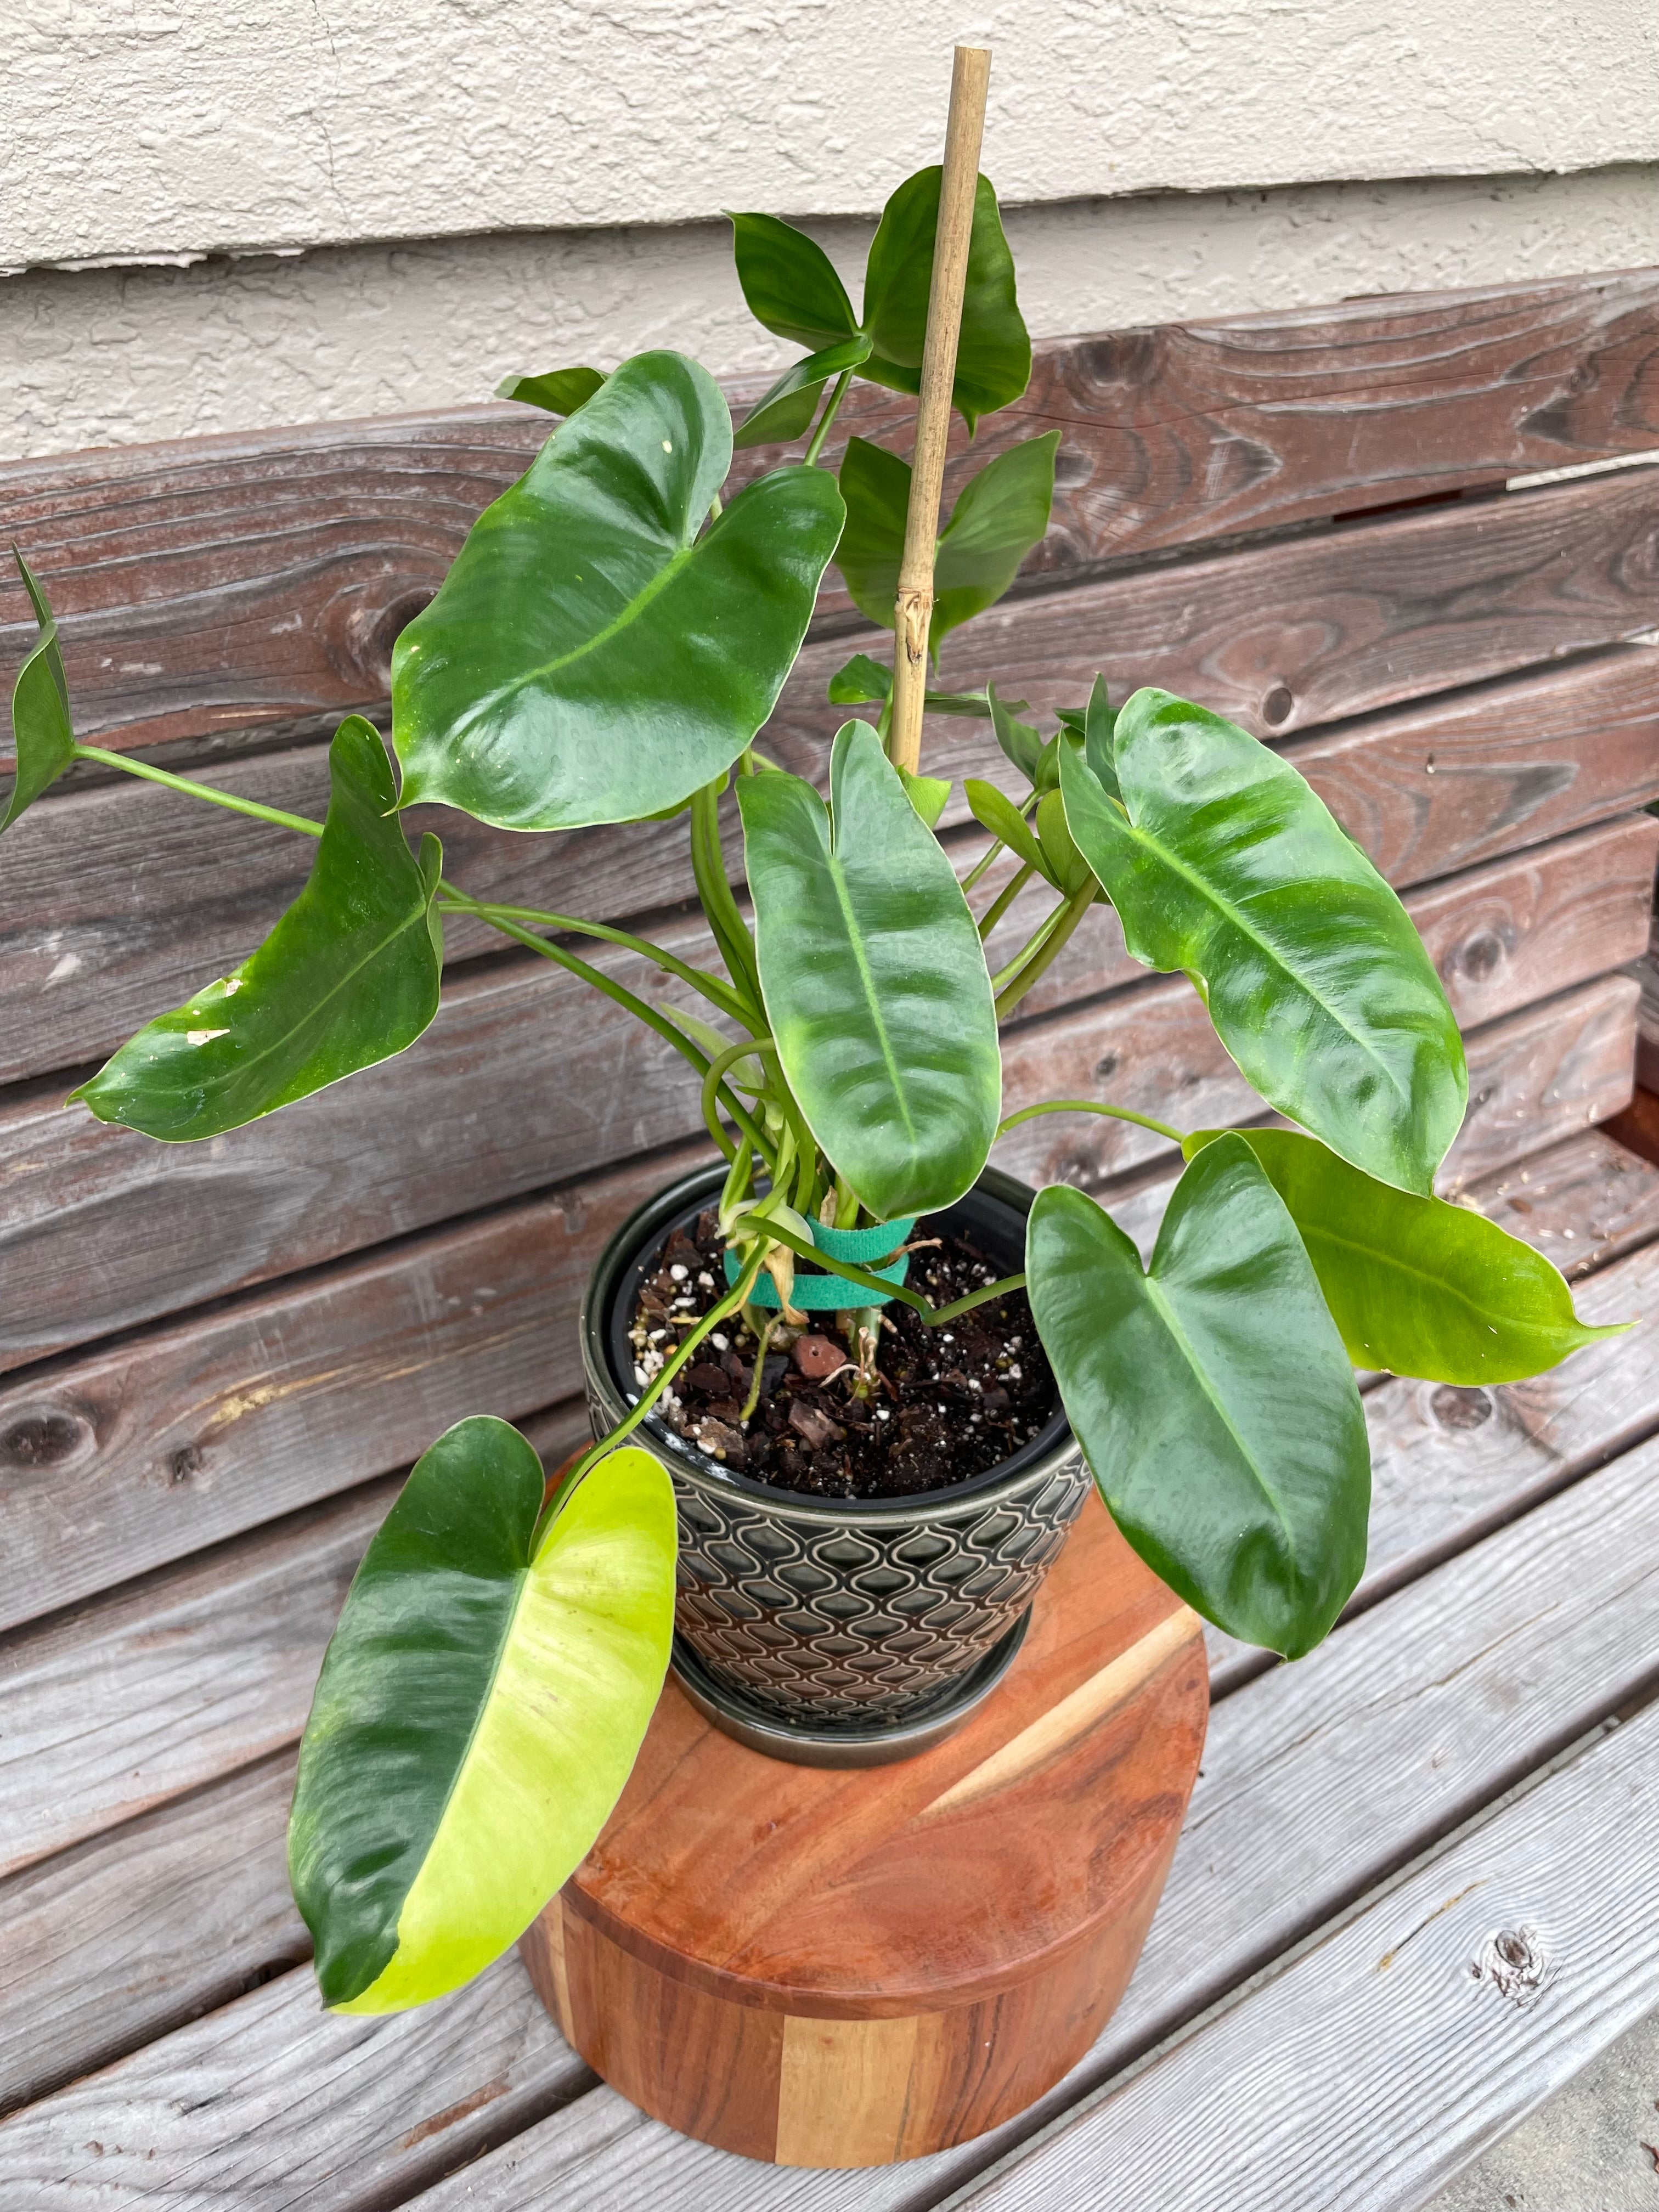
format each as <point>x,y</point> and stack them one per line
<point>212,583</point>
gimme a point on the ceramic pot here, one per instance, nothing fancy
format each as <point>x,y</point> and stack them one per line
<point>840,1631</point>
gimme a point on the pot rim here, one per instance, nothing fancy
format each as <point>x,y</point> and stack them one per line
<point>1045,1454</point>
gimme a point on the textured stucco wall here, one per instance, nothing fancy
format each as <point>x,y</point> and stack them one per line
<point>271,210</point>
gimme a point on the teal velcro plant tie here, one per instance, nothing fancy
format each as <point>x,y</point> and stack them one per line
<point>857,1247</point>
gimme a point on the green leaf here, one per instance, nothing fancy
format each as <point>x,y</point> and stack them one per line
<point>480,1705</point>
<point>349,975</point>
<point>1066,866</point>
<point>928,794</point>
<point>788,409</point>
<point>860,682</point>
<point>1223,863</point>
<point>1099,728</point>
<point>864,683</point>
<point>591,657</point>
<point>994,353</point>
<point>994,811</point>
<point>1000,515</point>
<point>561,392</point>
<point>1212,1396</point>
<point>790,282</point>
<point>874,980</point>
<point>42,736</point>
<point>1020,742</point>
<point>1415,1286</point>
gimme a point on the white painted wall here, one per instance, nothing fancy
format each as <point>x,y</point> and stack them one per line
<point>456,188</point>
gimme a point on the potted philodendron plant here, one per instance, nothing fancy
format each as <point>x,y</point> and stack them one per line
<point>874,1377</point>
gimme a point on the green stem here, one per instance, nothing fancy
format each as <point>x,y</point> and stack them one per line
<point>1005,898</point>
<point>1033,945</point>
<point>712,988</point>
<point>1078,906</point>
<point>762,1342</point>
<point>838,393</point>
<point>717,1067</point>
<point>194,790</point>
<point>935,1315</point>
<point>737,1296</point>
<point>1089,1106</point>
<point>731,932</point>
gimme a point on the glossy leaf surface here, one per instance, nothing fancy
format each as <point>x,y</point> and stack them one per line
<point>1416,1285</point>
<point>874,980</point>
<point>349,975</point>
<point>561,392</point>
<point>591,657</point>
<point>479,1708</point>
<point>1223,863</point>
<point>787,411</point>
<point>994,811</point>
<point>1212,1396</point>
<point>994,353</point>
<point>1002,512</point>
<point>790,282</point>
<point>42,736</point>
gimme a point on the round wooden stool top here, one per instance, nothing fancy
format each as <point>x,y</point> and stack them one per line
<point>824,1967</point>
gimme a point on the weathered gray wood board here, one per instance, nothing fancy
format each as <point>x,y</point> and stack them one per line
<point>180,1676</point>
<point>115,1941</point>
<point>338,2114</point>
<point>1511,1959</point>
<point>227,580</point>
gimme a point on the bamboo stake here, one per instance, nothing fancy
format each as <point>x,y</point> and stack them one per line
<point>913,610</point>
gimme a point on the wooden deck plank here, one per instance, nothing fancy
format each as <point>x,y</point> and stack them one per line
<point>175,1680</point>
<point>264,575</point>
<point>469,1119</point>
<point>1319,1780</point>
<point>1512,1960</point>
<point>139,1930</point>
<point>272,2102</point>
<point>118,900</point>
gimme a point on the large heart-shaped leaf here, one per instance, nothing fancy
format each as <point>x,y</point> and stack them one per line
<point>349,975</point>
<point>790,282</point>
<point>787,411</point>
<point>874,980</point>
<point>591,658</point>
<point>41,735</point>
<point>1000,514</point>
<point>479,1708</point>
<point>1223,863</point>
<point>1416,1285</point>
<point>1212,1396</point>
<point>993,351</point>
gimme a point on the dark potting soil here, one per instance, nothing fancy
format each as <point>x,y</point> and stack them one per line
<point>950,1402</point>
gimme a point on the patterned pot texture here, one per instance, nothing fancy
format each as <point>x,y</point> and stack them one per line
<point>822,1615</point>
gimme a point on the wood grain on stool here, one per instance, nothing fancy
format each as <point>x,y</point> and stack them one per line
<point>842,1968</point>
